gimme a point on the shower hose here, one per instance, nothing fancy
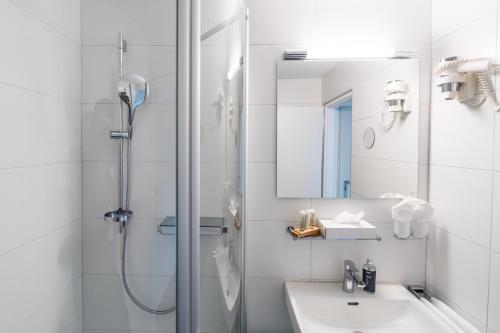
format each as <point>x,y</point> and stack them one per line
<point>124,241</point>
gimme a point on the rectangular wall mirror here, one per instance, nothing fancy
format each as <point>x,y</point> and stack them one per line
<point>348,128</point>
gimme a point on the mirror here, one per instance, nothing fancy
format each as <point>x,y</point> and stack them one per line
<point>347,128</point>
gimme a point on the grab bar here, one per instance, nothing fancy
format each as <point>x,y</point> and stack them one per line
<point>210,226</point>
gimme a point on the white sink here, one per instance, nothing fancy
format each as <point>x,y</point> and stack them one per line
<point>317,307</point>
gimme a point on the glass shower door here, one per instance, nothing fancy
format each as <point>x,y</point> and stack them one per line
<point>222,151</point>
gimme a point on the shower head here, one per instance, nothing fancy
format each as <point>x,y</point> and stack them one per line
<point>133,90</point>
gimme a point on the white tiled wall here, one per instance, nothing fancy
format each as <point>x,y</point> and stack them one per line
<point>271,256</point>
<point>463,251</point>
<point>149,29</point>
<point>40,167</point>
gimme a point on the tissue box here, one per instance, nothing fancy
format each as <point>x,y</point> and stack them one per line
<point>334,230</point>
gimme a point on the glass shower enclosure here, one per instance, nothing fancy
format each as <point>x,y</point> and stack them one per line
<point>168,172</point>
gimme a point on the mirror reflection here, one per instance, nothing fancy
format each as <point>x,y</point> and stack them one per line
<point>347,128</point>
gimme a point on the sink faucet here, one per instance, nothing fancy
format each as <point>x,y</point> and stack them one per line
<point>352,277</point>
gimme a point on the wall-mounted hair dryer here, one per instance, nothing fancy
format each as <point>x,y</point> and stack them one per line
<point>395,100</point>
<point>466,80</point>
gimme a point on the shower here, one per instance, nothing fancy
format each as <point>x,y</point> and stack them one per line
<point>133,90</point>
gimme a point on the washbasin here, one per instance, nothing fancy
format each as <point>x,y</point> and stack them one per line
<point>317,307</point>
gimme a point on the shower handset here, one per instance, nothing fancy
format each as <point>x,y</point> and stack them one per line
<point>133,90</point>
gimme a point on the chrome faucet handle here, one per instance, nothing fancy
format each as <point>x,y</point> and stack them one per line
<point>352,277</point>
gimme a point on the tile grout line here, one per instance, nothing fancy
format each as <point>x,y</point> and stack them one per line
<point>40,165</point>
<point>39,92</point>
<point>45,22</point>
<point>41,236</point>
<point>465,25</point>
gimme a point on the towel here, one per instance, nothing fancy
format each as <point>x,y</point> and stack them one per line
<point>422,212</point>
<point>412,209</point>
<point>349,218</point>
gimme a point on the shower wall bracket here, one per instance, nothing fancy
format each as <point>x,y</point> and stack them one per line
<point>118,134</point>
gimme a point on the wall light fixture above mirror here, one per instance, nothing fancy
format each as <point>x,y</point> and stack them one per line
<point>332,135</point>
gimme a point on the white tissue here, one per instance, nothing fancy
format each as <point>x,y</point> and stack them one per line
<point>349,218</point>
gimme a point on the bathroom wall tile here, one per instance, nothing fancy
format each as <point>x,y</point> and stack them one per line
<point>63,314</point>
<point>164,132</point>
<point>269,252</point>
<point>389,25</point>
<point>461,136</point>
<point>262,203</point>
<point>464,12</point>
<point>163,296</point>
<point>60,74</point>
<point>45,129</point>
<point>214,66</point>
<point>142,23</point>
<point>496,153</point>
<point>100,72</point>
<point>294,26</point>
<point>212,184</point>
<point>165,182</point>
<point>164,255</point>
<point>263,59</point>
<point>97,121</point>
<point>494,297</point>
<point>262,133</point>
<point>100,186</point>
<point>102,247</point>
<point>396,260</point>
<point>474,47</point>
<point>266,308</point>
<point>153,136</point>
<point>462,202</point>
<point>213,133</point>
<point>52,261</point>
<point>100,183</point>
<point>208,246</point>
<point>495,221</point>
<point>107,307</point>
<point>62,15</point>
<point>52,193</point>
<point>456,268</point>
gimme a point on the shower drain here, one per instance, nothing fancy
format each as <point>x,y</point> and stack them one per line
<point>357,332</point>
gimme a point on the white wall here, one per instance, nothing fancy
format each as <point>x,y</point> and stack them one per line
<point>40,167</point>
<point>463,265</point>
<point>392,164</point>
<point>272,257</point>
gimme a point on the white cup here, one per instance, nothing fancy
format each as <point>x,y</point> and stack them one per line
<point>402,230</point>
<point>420,229</point>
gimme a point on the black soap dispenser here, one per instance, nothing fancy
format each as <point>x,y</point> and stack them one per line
<point>369,276</point>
